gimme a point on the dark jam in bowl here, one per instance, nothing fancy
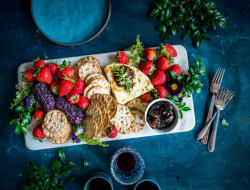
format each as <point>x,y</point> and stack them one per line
<point>128,72</point>
<point>160,115</point>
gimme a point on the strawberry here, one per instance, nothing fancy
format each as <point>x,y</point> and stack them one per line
<point>39,114</point>
<point>161,91</point>
<point>112,132</point>
<point>43,75</point>
<point>176,69</point>
<point>38,63</point>
<point>159,77</point>
<point>146,98</point>
<point>52,66</point>
<point>65,86</point>
<point>65,70</point>
<point>38,133</point>
<point>122,57</point>
<point>79,86</point>
<point>54,87</point>
<point>163,63</point>
<point>73,97</point>
<point>147,67</point>
<point>168,50</point>
<point>83,102</point>
<point>150,54</point>
<point>29,75</point>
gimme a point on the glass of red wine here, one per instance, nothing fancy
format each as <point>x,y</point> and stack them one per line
<point>127,166</point>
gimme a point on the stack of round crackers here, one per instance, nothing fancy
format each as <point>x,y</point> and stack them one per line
<point>89,70</point>
<point>56,127</point>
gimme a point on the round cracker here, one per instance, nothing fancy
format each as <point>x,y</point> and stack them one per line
<point>140,121</point>
<point>85,91</point>
<point>137,104</point>
<point>92,77</point>
<point>90,126</point>
<point>110,105</point>
<point>53,136</point>
<point>63,139</point>
<point>101,82</point>
<point>95,112</point>
<point>92,59</point>
<point>77,67</point>
<point>97,89</point>
<point>55,121</point>
<point>88,68</point>
<point>123,119</point>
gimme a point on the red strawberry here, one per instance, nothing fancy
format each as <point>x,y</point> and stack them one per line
<point>38,133</point>
<point>146,98</point>
<point>38,63</point>
<point>79,86</point>
<point>39,114</point>
<point>147,67</point>
<point>83,102</point>
<point>43,75</point>
<point>169,50</point>
<point>150,54</point>
<point>112,132</point>
<point>161,91</point>
<point>163,63</point>
<point>65,86</point>
<point>52,66</point>
<point>175,68</point>
<point>65,70</point>
<point>29,75</point>
<point>54,87</point>
<point>73,97</point>
<point>159,77</point>
<point>122,57</point>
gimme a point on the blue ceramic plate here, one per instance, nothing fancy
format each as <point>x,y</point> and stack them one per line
<point>71,22</point>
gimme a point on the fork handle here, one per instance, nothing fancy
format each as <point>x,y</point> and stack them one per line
<point>212,140</point>
<point>209,116</point>
<point>204,130</point>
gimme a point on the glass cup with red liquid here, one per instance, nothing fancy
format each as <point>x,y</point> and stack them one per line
<point>127,166</point>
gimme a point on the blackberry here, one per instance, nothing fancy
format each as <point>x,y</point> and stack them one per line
<point>74,114</point>
<point>43,96</point>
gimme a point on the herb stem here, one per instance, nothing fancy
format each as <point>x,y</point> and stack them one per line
<point>40,177</point>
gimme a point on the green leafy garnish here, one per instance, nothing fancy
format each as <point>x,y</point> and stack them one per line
<point>181,106</point>
<point>92,141</point>
<point>190,81</point>
<point>122,75</point>
<point>225,123</point>
<point>85,164</point>
<point>39,179</point>
<point>137,54</point>
<point>191,15</point>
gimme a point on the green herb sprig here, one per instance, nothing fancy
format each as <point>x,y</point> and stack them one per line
<point>192,15</point>
<point>225,123</point>
<point>123,76</point>
<point>90,142</point>
<point>181,106</point>
<point>137,52</point>
<point>190,81</point>
<point>25,115</point>
<point>39,179</point>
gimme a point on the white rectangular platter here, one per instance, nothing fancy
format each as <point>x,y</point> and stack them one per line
<point>185,124</point>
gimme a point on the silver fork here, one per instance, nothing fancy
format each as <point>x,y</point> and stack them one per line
<point>214,89</point>
<point>221,101</point>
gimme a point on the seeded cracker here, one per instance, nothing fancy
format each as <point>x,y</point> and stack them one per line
<point>90,126</point>
<point>137,104</point>
<point>97,89</point>
<point>140,121</point>
<point>95,112</point>
<point>88,68</point>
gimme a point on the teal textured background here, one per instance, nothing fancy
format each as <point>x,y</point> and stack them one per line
<point>177,161</point>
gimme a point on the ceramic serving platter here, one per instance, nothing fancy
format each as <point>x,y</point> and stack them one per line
<point>185,124</point>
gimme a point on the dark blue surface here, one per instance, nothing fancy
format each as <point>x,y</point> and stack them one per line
<point>177,161</point>
<point>72,21</point>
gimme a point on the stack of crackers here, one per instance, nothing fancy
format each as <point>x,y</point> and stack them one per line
<point>89,70</point>
<point>104,112</point>
<point>56,127</point>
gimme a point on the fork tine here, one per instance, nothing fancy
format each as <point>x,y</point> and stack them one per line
<point>220,93</point>
<point>218,77</point>
<point>221,76</point>
<point>228,95</point>
<point>225,93</point>
<point>216,74</point>
<point>228,101</point>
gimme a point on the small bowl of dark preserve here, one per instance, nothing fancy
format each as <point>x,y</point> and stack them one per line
<point>161,116</point>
